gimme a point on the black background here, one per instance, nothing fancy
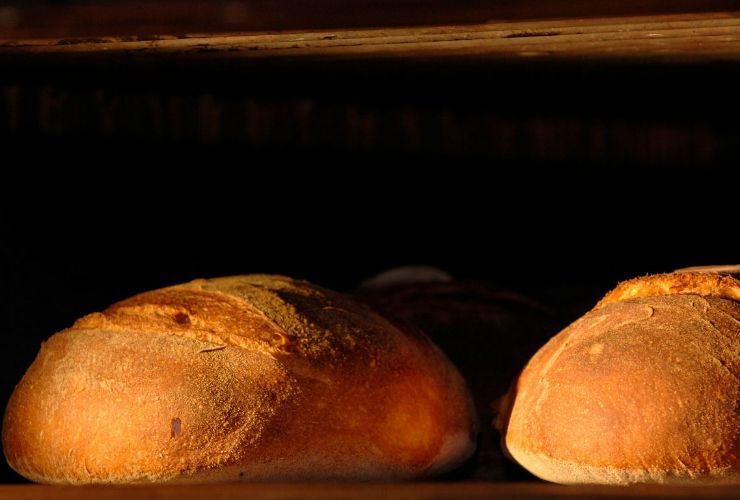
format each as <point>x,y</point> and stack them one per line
<point>85,241</point>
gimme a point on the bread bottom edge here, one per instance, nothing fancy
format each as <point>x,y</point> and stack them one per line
<point>568,472</point>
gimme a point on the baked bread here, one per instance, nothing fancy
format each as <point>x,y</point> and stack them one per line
<point>241,378</point>
<point>642,389</point>
<point>487,332</point>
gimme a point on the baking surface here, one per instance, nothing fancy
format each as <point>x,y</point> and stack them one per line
<point>427,490</point>
<point>698,37</point>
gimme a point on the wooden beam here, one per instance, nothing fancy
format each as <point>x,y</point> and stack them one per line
<point>665,38</point>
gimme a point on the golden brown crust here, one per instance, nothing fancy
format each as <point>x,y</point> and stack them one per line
<point>731,269</point>
<point>250,377</point>
<point>705,284</point>
<point>142,407</point>
<point>644,388</point>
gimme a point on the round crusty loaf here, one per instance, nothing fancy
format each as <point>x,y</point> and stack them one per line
<point>241,378</point>
<point>644,388</point>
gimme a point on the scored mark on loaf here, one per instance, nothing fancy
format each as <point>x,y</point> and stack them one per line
<point>175,427</point>
<point>211,349</point>
<point>182,318</point>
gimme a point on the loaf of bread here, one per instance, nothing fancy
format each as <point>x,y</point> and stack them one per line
<point>489,333</point>
<point>644,388</point>
<point>241,378</point>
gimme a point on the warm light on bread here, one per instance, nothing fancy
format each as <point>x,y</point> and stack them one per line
<point>685,283</point>
<point>644,388</point>
<point>241,378</point>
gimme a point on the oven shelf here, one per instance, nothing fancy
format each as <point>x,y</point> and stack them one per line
<point>359,491</point>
